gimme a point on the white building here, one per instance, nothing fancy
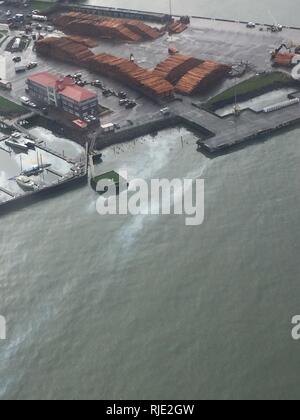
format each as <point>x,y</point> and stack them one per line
<point>7,67</point>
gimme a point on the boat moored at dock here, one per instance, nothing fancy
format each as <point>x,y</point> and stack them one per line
<point>16,144</point>
<point>26,183</point>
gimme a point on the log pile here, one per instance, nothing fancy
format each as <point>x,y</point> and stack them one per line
<point>201,78</point>
<point>65,49</point>
<point>175,67</point>
<point>145,31</point>
<point>128,72</point>
<point>108,28</point>
<point>132,75</point>
<point>88,42</point>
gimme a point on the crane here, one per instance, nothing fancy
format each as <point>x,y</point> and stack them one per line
<point>277,51</point>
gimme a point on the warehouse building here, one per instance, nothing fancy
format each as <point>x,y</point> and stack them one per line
<point>62,92</point>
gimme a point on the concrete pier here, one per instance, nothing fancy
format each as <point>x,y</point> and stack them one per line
<point>216,133</point>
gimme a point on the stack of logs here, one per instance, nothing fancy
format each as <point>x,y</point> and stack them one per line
<point>176,67</point>
<point>132,75</point>
<point>108,28</point>
<point>184,74</point>
<point>65,49</point>
<point>201,78</point>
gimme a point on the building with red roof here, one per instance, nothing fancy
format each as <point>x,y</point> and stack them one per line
<point>62,92</point>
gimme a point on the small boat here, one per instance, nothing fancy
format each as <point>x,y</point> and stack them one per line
<point>25,183</point>
<point>14,144</point>
<point>30,144</point>
<point>35,169</point>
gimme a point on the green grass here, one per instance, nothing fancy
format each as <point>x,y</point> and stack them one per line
<point>109,176</point>
<point>112,178</point>
<point>8,108</point>
<point>251,86</point>
<point>43,6</point>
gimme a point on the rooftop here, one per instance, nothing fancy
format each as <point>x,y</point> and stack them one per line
<point>45,79</point>
<point>64,86</point>
<point>77,93</point>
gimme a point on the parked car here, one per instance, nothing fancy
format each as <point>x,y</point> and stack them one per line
<point>131,105</point>
<point>122,95</point>
<point>32,65</point>
<point>165,111</point>
<point>107,93</point>
<point>17,59</point>
<point>97,83</point>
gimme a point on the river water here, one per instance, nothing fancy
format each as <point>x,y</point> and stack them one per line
<point>145,307</point>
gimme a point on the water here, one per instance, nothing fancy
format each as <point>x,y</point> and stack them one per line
<point>262,11</point>
<point>144,307</point>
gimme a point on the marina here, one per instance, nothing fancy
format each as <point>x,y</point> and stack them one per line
<point>29,172</point>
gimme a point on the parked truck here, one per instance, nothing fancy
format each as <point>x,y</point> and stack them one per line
<point>39,18</point>
<point>20,69</point>
<point>5,85</point>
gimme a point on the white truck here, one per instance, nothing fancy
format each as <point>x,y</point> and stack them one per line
<point>39,18</point>
<point>5,85</point>
<point>24,100</point>
<point>108,128</point>
<point>20,69</point>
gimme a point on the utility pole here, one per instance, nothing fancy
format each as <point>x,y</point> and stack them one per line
<point>171,8</point>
